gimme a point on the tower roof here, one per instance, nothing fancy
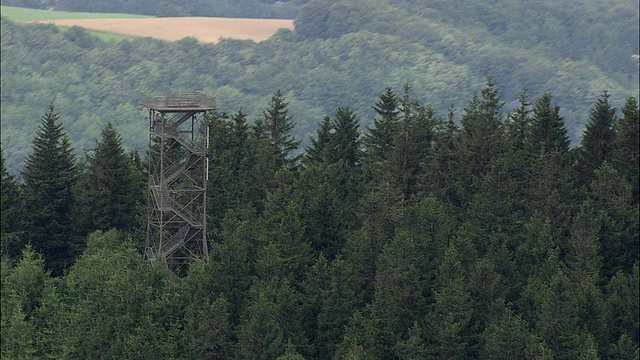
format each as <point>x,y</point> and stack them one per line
<point>173,101</point>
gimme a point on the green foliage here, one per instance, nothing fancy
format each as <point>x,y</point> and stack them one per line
<point>547,133</point>
<point>508,337</point>
<point>626,152</point>
<point>49,175</point>
<point>441,241</point>
<point>279,125</point>
<point>106,193</point>
<point>598,139</point>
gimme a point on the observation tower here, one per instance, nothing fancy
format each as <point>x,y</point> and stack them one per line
<point>178,173</point>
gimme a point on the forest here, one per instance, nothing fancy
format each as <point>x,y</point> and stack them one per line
<point>339,54</point>
<point>481,234</point>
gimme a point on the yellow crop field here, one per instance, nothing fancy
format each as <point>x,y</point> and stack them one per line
<point>205,29</point>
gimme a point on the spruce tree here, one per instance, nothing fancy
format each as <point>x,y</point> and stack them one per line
<point>626,158</point>
<point>597,140</point>
<point>411,144</point>
<point>398,299</point>
<point>442,170</point>
<point>329,187</point>
<point>507,337</point>
<point>482,140</point>
<point>10,198</point>
<point>380,136</point>
<point>548,178</point>
<point>620,234</point>
<point>279,125</point>
<point>321,145</point>
<point>449,318</point>
<point>346,139</point>
<point>547,133</point>
<point>107,193</point>
<point>49,176</point>
<point>230,162</point>
<point>518,122</point>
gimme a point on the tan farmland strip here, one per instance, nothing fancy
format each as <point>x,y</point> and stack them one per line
<point>205,29</point>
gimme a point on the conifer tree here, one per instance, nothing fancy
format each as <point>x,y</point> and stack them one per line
<point>379,137</point>
<point>8,198</point>
<point>518,122</point>
<point>398,299</point>
<point>442,170</point>
<point>597,140</point>
<point>508,337</point>
<point>329,187</point>
<point>623,307</point>
<point>321,145</point>
<point>231,160</point>
<point>449,318</point>
<point>107,195</point>
<point>380,213</point>
<point>49,176</point>
<point>558,323</point>
<point>481,140</point>
<point>346,139</point>
<point>10,207</point>
<point>264,167</point>
<point>626,158</point>
<point>619,235</point>
<point>337,304</point>
<point>17,341</point>
<point>411,144</point>
<point>359,340</point>
<point>279,125</point>
<point>547,133</point>
<point>548,179</point>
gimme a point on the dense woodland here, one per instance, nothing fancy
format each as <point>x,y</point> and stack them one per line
<point>477,235</point>
<point>340,53</point>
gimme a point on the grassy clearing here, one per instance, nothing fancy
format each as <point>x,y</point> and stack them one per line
<point>19,14</point>
<point>116,27</point>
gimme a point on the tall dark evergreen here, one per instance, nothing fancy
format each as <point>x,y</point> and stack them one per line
<point>329,187</point>
<point>346,139</point>
<point>412,143</point>
<point>10,197</point>
<point>442,168</point>
<point>626,158</point>
<point>481,140</point>
<point>231,157</point>
<point>107,196</point>
<point>547,133</point>
<point>597,140</point>
<point>320,149</point>
<point>279,125</point>
<point>49,176</point>
<point>380,136</point>
<point>518,122</point>
<point>549,178</point>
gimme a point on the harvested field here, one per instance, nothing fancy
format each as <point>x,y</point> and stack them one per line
<point>205,29</point>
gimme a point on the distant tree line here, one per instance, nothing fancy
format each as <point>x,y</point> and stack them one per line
<point>287,9</point>
<point>478,235</point>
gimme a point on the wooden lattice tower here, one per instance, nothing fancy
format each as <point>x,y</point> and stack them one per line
<point>178,168</point>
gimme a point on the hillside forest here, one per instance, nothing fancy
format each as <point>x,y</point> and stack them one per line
<point>478,235</point>
<point>339,54</point>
